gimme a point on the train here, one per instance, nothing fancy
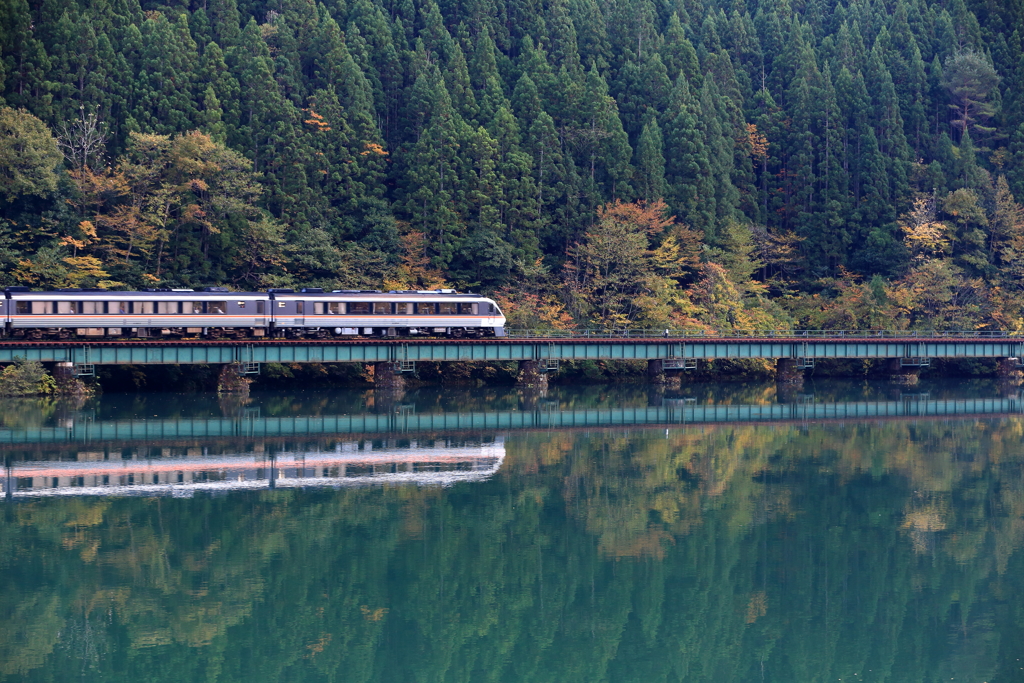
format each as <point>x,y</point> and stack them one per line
<point>217,313</point>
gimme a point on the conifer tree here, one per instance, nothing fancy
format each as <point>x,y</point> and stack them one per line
<point>687,163</point>
<point>650,162</point>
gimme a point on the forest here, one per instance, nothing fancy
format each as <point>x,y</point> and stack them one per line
<point>712,164</point>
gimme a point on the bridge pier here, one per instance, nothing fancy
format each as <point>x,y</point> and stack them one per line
<point>788,372</point>
<point>387,376</point>
<point>656,374</point>
<point>531,376</point>
<point>903,375</point>
<point>67,383</point>
<point>1009,372</point>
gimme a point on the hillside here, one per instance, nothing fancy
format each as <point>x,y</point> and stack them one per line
<point>717,164</point>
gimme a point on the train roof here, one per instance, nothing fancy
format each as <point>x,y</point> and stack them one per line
<point>188,294</point>
<point>380,295</point>
<point>117,295</point>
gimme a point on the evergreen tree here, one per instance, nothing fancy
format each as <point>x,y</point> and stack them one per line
<point>650,162</point>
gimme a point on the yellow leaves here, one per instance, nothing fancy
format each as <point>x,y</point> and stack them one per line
<point>757,141</point>
<point>679,253</point>
<point>88,228</point>
<point>416,271</point>
<point>925,237</point>
<point>373,148</point>
<point>72,242</point>
<point>316,121</point>
<point>524,310</point>
<point>648,217</point>
<point>82,269</point>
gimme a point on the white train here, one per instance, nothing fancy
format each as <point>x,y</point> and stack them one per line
<point>215,312</point>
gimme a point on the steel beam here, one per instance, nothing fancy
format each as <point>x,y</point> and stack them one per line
<point>373,351</point>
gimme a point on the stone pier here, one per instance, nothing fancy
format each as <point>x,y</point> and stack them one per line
<point>387,376</point>
<point>787,372</point>
<point>531,376</point>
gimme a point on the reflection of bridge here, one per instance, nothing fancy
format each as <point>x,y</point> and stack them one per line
<point>83,431</point>
<point>349,464</point>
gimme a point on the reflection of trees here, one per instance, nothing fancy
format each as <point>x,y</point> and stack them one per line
<point>700,554</point>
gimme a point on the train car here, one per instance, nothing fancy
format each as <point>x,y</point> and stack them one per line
<point>214,312</point>
<point>445,312</point>
<point>63,314</point>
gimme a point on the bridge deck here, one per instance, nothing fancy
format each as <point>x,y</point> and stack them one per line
<point>184,352</point>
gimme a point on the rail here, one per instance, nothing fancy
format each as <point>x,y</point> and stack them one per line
<point>676,333</point>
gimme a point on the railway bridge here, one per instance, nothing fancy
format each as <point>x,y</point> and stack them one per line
<point>539,352</point>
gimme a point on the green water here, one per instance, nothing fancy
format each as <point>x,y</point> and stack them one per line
<point>880,550</point>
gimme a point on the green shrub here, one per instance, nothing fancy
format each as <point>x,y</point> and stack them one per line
<point>26,378</point>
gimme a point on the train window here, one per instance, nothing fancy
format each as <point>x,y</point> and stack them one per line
<point>425,309</point>
<point>260,309</point>
<point>23,307</point>
<point>144,308</point>
<point>94,307</point>
<point>193,307</point>
<point>447,308</point>
<point>318,308</point>
<point>120,307</point>
<point>300,307</point>
<point>468,309</point>
<point>42,307</point>
<point>241,304</point>
<point>359,308</point>
<point>217,307</point>
<point>382,308</point>
<point>67,307</point>
<point>336,308</point>
<point>405,309</point>
<point>167,307</point>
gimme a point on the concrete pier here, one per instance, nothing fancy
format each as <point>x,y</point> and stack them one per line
<point>387,376</point>
<point>788,372</point>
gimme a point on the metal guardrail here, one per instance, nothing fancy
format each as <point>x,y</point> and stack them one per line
<point>627,333</point>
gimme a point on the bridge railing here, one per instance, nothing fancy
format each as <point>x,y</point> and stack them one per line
<point>684,333</point>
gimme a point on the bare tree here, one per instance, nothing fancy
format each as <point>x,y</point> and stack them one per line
<point>83,141</point>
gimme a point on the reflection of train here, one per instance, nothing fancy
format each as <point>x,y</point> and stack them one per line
<point>215,312</point>
<point>432,463</point>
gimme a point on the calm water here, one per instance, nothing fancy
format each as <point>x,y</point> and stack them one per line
<point>459,536</point>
